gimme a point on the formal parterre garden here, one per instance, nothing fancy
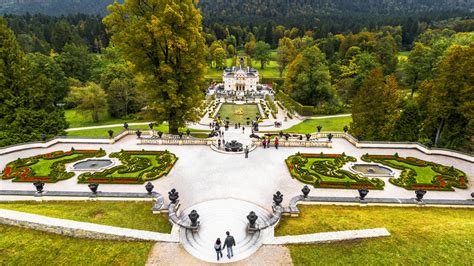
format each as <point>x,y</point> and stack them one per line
<point>420,174</point>
<point>238,113</point>
<point>49,167</point>
<point>324,171</point>
<point>137,167</point>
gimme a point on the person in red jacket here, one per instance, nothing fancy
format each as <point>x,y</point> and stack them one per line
<point>276,143</point>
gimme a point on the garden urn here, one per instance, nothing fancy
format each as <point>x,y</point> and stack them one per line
<point>125,125</point>
<point>193,216</point>
<point>330,136</point>
<point>173,195</point>
<point>252,217</point>
<point>139,133</point>
<point>93,187</point>
<point>420,193</point>
<point>363,193</point>
<point>308,136</point>
<point>149,187</point>
<point>160,134</point>
<point>39,186</point>
<point>278,198</point>
<point>305,191</point>
<point>111,133</point>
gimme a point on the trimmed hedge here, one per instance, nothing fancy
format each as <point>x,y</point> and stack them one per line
<point>328,166</point>
<point>21,171</point>
<point>448,178</point>
<point>135,169</point>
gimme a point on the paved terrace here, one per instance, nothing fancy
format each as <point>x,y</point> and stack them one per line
<point>201,174</point>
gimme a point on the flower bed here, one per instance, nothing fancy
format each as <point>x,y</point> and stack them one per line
<point>137,167</point>
<point>324,171</point>
<point>23,169</point>
<point>420,174</point>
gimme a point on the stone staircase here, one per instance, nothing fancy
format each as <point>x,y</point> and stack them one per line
<point>217,217</point>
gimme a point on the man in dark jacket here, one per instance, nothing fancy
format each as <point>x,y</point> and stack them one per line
<point>229,243</point>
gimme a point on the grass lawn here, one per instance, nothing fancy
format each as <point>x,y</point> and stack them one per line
<point>20,246</point>
<point>135,215</point>
<point>43,166</point>
<point>329,124</point>
<point>238,113</point>
<point>102,132</point>
<point>76,119</point>
<point>424,175</point>
<point>425,236</point>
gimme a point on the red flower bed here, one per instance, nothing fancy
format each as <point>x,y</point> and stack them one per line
<point>427,187</point>
<point>35,179</point>
<point>112,181</point>
<point>319,155</point>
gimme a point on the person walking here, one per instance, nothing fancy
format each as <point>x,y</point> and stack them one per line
<point>243,130</point>
<point>229,242</point>
<point>276,143</point>
<point>246,151</point>
<point>218,248</point>
<point>264,143</point>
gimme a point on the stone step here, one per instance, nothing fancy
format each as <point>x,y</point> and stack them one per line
<point>217,217</point>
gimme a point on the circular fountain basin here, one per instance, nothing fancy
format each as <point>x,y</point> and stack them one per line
<point>233,146</point>
<point>372,170</point>
<point>92,165</point>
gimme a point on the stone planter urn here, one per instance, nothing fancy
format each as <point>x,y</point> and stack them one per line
<point>305,191</point>
<point>39,186</point>
<point>173,195</point>
<point>93,187</point>
<point>125,125</point>
<point>139,133</point>
<point>278,198</point>
<point>363,193</point>
<point>472,196</point>
<point>420,193</point>
<point>111,133</point>
<point>308,136</point>
<point>149,187</point>
<point>193,216</point>
<point>252,217</point>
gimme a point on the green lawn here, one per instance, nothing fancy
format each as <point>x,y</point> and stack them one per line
<point>102,132</point>
<point>135,215</point>
<point>43,167</point>
<point>76,119</point>
<point>424,175</point>
<point>329,124</point>
<point>238,113</point>
<point>20,246</point>
<point>424,236</point>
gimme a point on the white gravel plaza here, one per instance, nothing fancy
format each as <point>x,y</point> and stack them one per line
<point>202,174</point>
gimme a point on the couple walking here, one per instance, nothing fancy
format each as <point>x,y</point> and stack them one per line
<point>229,242</point>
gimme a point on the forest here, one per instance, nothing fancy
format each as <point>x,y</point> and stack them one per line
<point>393,75</point>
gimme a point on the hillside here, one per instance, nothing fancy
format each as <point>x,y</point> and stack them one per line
<point>232,9</point>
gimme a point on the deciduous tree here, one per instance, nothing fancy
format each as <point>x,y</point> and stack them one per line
<point>375,108</point>
<point>163,38</point>
<point>308,80</point>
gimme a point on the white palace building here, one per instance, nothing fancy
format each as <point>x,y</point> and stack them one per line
<point>240,79</point>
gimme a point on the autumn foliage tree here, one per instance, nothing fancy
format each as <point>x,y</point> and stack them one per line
<point>163,39</point>
<point>375,107</point>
